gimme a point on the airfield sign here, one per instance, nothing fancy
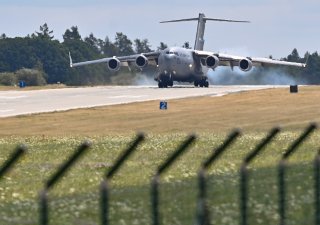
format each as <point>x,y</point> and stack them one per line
<point>163,105</point>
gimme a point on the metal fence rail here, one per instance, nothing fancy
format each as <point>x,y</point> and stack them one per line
<point>14,157</point>
<point>202,211</point>
<point>104,198</point>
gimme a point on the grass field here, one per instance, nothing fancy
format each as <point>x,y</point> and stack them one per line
<point>51,138</point>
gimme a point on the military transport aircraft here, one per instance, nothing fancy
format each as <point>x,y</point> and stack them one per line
<point>186,65</point>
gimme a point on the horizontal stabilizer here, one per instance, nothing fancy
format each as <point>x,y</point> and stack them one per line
<point>201,26</point>
<point>181,20</point>
<point>205,18</point>
<point>224,20</point>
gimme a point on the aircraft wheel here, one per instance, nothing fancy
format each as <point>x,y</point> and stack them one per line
<point>196,83</point>
<point>160,84</point>
<point>206,84</point>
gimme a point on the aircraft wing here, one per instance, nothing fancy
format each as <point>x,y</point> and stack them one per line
<point>232,60</point>
<point>152,58</point>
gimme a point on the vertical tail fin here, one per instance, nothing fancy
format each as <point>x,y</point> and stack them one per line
<point>199,42</point>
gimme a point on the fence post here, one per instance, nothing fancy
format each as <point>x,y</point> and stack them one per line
<point>104,188</point>
<point>44,217</point>
<point>282,169</point>
<point>244,174</point>
<point>203,216</point>
<point>317,187</point>
<point>13,158</point>
<point>104,198</point>
<point>282,190</point>
<point>44,210</point>
<point>156,178</point>
<point>155,199</point>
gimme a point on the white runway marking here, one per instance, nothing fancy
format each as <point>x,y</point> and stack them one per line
<point>14,103</point>
<point>6,110</point>
<point>128,96</point>
<point>12,97</point>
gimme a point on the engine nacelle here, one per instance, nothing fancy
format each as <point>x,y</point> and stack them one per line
<point>245,64</point>
<point>141,61</point>
<point>212,61</point>
<point>114,64</point>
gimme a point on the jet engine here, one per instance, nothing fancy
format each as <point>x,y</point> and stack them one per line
<point>141,61</point>
<point>212,61</point>
<point>245,64</point>
<point>114,64</point>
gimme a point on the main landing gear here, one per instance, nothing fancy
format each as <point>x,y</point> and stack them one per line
<point>201,83</point>
<point>164,83</point>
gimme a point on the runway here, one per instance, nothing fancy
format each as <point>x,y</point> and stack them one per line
<point>13,103</point>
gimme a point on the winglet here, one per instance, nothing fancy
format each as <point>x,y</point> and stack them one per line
<point>71,64</point>
<point>306,63</point>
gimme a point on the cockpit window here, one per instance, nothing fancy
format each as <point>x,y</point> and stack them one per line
<point>172,53</point>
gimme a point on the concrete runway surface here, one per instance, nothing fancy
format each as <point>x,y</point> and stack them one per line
<point>14,103</point>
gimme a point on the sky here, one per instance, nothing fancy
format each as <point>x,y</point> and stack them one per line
<point>277,26</point>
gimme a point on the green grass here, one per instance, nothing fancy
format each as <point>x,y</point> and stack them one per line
<point>75,199</point>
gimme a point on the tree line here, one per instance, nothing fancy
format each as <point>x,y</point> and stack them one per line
<point>41,59</point>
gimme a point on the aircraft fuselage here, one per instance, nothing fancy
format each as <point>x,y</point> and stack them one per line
<point>178,64</point>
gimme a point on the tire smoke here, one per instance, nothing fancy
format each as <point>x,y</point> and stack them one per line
<point>257,76</point>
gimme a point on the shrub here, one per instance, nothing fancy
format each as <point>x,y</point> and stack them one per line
<point>32,77</point>
<point>8,79</point>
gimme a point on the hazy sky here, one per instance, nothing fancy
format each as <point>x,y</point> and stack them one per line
<point>277,26</point>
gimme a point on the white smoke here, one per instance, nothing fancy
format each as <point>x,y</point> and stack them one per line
<point>257,76</point>
<point>143,79</point>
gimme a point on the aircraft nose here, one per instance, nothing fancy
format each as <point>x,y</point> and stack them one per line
<point>168,61</point>
<point>168,57</point>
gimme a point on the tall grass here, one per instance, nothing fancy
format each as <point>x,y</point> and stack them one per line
<point>75,199</point>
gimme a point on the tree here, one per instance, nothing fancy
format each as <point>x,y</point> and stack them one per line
<point>44,33</point>
<point>3,36</point>
<point>72,34</point>
<point>312,72</point>
<point>162,46</point>
<point>186,45</point>
<point>93,42</point>
<point>123,44</point>
<point>142,46</point>
<point>108,48</point>
<point>294,56</point>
